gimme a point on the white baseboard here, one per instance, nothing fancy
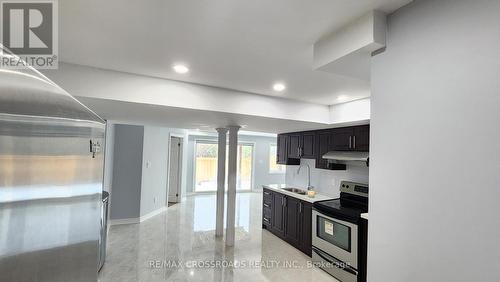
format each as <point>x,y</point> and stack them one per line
<point>137,219</point>
<point>124,221</point>
<point>151,214</point>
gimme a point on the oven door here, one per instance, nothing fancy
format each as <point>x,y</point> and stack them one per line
<point>336,237</point>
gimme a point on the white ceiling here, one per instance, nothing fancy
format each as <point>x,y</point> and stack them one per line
<point>237,44</point>
<point>191,119</point>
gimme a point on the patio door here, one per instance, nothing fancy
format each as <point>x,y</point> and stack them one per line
<point>206,166</point>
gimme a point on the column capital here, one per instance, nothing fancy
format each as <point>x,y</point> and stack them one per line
<point>221,130</point>
<point>234,127</point>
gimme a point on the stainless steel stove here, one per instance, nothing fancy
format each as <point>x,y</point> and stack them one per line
<point>339,233</point>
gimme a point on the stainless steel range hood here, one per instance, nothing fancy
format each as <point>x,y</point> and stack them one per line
<point>351,158</point>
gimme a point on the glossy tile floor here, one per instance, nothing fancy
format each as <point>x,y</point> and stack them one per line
<point>167,247</point>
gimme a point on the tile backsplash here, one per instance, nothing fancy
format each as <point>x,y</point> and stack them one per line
<point>325,181</point>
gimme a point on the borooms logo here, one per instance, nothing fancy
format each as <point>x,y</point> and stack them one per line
<point>29,30</point>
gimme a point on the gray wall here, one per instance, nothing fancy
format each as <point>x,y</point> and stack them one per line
<point>127,171</point>
<point>434,166</point>
<point>325,181</point>
<point>261,160</point>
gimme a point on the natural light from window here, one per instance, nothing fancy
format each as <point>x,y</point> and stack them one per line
<point>206,166</point>
<point>273,166</point>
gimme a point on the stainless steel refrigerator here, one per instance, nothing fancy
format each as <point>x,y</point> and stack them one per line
<point>51,175</point>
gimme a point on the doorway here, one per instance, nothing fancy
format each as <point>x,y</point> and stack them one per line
<point>174,170</point>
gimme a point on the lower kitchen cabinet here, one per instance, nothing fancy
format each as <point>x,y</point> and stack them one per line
<point>306,228</point>
<point>292,220</point>
<point>288,218</point>
<point>278,214</point>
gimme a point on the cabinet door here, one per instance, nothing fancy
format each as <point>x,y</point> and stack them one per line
<point>342,139</point>
<point>292,221</point>
<point>281,150</point>
<point>308,145</point>
<point>361,141</point>
<point>306,228</point>
<point>294,146</point>
<point>323,146</point>
<point>278,214</point>
<point>267,208</point>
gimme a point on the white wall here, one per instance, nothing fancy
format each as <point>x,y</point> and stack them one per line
<point>155,167</point>
<point>108,156</point>
<point>354,111</point>
<point>325,181</point>
<point>434,155</point>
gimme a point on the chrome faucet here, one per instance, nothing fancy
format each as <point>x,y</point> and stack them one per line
<point>309,187</point>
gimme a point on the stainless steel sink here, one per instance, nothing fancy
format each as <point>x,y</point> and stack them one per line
<point>295,190</point>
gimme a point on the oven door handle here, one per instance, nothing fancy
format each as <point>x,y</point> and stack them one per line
<point>346,268</point>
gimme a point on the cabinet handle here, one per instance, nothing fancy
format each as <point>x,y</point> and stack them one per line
<point>266,205</point>
<point>350,142</point>
<point>354,138</point>
<point>300,208</point>
<point>266,219</point>
<point>267,193</point>
<point>284,201</point>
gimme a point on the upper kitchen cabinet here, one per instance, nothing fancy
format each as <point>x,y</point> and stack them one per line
<point>308,145</point>
<point>361,141</point>
<point>302,145</point>
<point>356,138</point>
<point>294,150</point>
<point>342,139</point>
<point>283,148</point>
<point>314,144</point>
<point>323,146</point>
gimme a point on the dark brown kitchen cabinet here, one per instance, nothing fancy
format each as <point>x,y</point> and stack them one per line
<point>361,137</point>
<point>288,218</point>
<point>305,218</point>
<point>294,146</point>
<point>323,145</point>
<point>267,203</point>
<point>356,138</point>
<point>308,145</point>
<point>342,139</point>
<point>314,144</point>
<point>292,220</point>
<point>282,156</point>
<point>278,214</point>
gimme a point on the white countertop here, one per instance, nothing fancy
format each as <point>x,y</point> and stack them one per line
<point>279,188</point>
<point>364,215</point>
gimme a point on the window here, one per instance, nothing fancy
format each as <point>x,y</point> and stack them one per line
<point>206,166</point>
<point>273,166</point>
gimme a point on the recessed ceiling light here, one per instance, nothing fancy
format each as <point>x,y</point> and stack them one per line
<point>342,98</point>
<point>279,87</point>
<point>180,68</point>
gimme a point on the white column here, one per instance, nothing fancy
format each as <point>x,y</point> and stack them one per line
<point>221,178</point>
<point>231,183</point>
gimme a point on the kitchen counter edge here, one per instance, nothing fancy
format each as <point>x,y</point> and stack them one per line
<point>278,188</point>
